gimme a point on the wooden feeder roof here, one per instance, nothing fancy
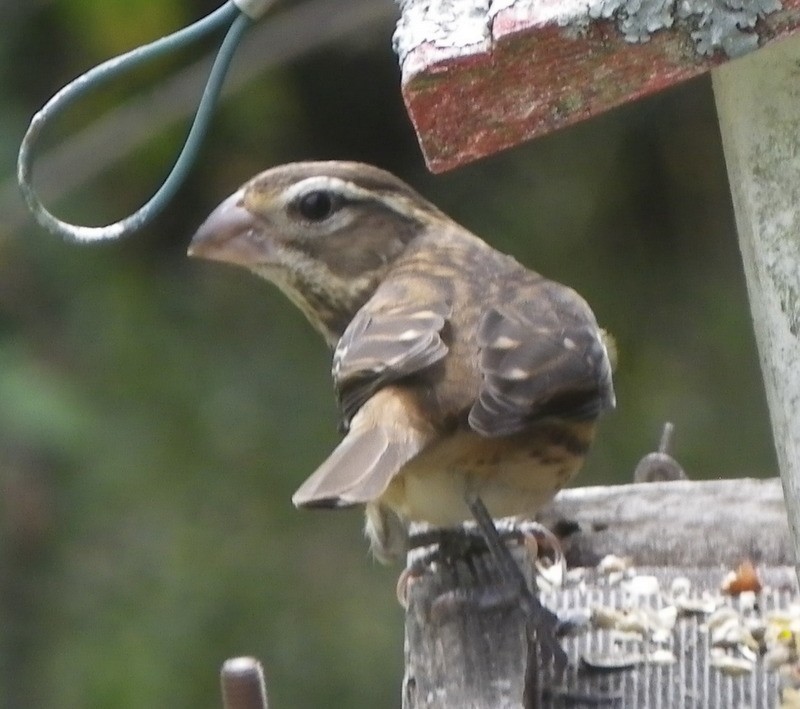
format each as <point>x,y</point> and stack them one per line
<point>479,76</point>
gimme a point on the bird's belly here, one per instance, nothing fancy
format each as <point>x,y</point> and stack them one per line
<point>512,476</point>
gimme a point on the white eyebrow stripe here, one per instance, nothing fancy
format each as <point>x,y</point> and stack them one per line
<point>399,203</point>
<point>324,183</point>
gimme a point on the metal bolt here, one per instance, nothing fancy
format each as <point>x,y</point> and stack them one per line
<point>243,684</point>
<point>660,466</point>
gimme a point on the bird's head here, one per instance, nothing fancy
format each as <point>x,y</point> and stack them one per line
<point>324,232</point>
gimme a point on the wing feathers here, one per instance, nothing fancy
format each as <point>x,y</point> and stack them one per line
<point>386,342</point>
<point>364,463</point>
<point>539,361</point>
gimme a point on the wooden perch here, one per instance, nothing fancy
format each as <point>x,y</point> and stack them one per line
<point>465,642</point>
<point>479,76</point>
<point>714,523</point>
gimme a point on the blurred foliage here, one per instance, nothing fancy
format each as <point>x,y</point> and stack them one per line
<point>156,414</point>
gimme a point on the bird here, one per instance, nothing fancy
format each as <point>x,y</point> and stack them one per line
<point>460,374</point>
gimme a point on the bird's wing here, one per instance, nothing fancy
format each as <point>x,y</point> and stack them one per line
<point>395,335</point>
<point>541,356</point>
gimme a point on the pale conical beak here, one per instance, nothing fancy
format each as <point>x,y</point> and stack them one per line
<point>230,234</point>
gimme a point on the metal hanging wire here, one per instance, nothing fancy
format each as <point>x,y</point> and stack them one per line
<point>237,15</point>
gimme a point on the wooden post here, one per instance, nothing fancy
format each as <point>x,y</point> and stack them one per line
<point>758,102</point>
<point>465,640</point>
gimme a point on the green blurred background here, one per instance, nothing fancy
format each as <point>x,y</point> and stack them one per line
<point>156,414</point>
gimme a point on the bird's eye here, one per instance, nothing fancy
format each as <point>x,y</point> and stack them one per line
<point>316,206</point>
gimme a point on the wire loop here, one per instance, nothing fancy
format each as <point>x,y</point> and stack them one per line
<point>254,9</point>
<point>227,15</point>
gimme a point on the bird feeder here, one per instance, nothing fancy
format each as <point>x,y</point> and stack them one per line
<point>480,76</point>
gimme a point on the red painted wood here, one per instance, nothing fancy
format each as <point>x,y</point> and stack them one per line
<point>532,76</point>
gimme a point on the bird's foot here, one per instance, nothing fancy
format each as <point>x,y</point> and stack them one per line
<point>542,624</point>
<point>466,546</point>
<point>443,546</point>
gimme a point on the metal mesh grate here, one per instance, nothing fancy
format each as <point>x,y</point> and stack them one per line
<point>688,682</point>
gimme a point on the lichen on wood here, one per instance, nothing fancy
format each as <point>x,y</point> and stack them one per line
<point>481,76</point>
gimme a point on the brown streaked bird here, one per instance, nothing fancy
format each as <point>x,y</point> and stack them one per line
<point>459,372</point>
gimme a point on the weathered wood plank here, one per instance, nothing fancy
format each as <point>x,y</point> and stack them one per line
<point>758,103</point>
<point>479,76</point>
<point>684,523</point>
